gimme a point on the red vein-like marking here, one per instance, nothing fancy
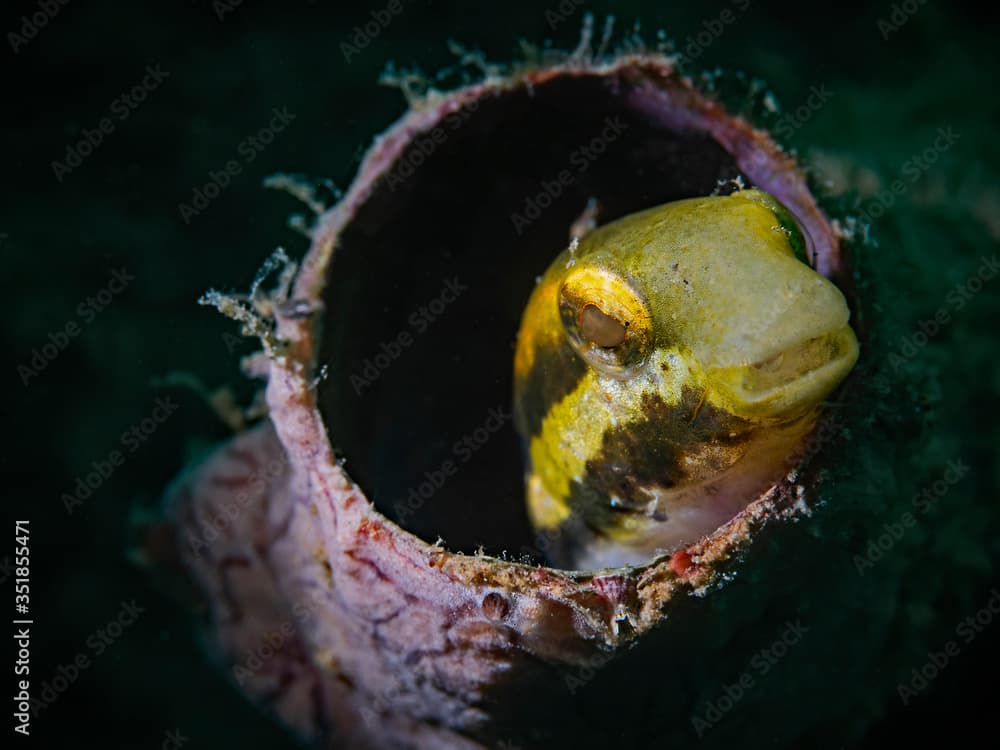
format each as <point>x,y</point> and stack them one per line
<point>370,564</point>
<point>614,589</point>
<point>388,618</point>
<point>331,504</point>
<point>376,532</point>
<point>235,561</point>
<point>229,482</point>
<point>232,602</point>
<point>243,455</point>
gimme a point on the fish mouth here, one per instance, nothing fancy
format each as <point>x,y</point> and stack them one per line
<point>793,381</point>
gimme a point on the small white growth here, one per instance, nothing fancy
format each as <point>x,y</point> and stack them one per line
<point>736,182</point>
<point>306,190</point>
<point>585,54</point>
<point>583,51</point>
<point>419,88</point>
<point>413,83</point>
<point>850,228</point>
<point>620,616</point>
<point>800,508</point>
<point>609,28</point>
<point>472,58</point>
<point>586,222</point>
<point>277,259</point>
<point>573,245</point>
<point>634,41</point>
<point>662,41</point>
<point>255,311</point>
<point>300,224</point>
<point>322,375</point>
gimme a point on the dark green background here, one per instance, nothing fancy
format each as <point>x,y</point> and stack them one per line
<point>60,241</point>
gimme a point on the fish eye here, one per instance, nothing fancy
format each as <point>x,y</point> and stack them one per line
<point>600,328</point>
<point>606,321</point>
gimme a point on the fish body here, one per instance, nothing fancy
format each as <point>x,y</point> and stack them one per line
<point>668,367</point>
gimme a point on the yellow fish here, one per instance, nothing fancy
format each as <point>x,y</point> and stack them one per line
<point>668,367</point>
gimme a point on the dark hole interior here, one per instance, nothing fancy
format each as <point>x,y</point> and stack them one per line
<point>428,283</point>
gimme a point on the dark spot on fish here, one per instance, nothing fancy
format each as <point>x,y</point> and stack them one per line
<point>654,452</point>
<point>555,373</point>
